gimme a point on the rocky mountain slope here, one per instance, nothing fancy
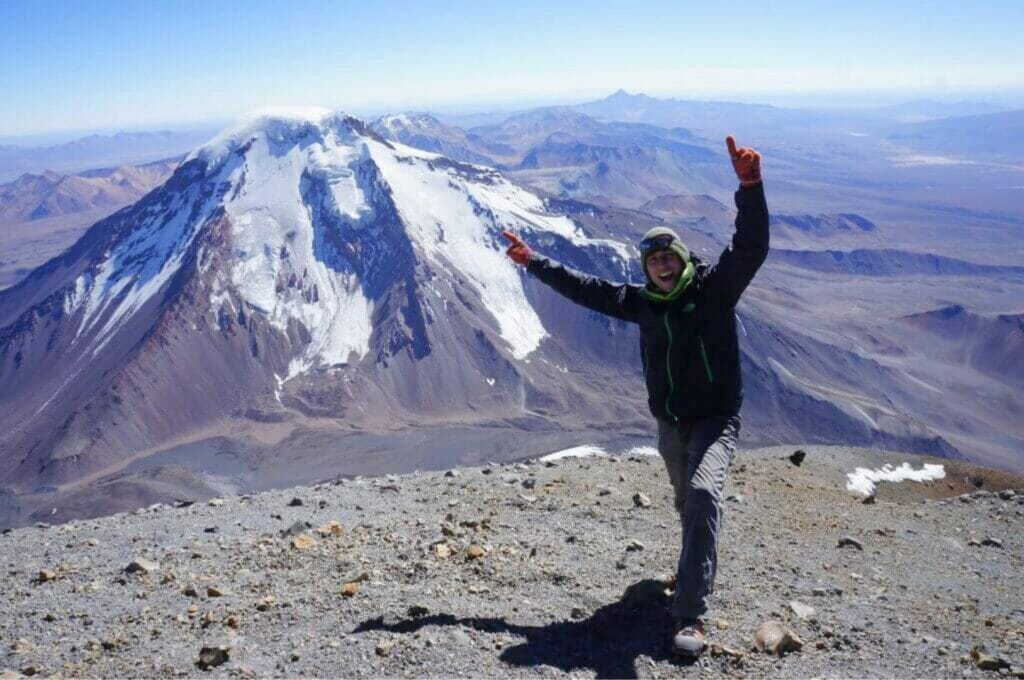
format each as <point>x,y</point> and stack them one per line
<point>531,569</point>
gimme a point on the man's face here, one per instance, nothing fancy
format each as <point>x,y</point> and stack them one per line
<point>664,267</point>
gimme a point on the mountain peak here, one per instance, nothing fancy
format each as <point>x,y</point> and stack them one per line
<point>276,124</point>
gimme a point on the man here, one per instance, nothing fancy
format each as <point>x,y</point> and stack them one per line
<point>691,361</point>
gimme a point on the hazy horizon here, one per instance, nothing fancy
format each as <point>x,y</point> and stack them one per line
<point>822,101</point>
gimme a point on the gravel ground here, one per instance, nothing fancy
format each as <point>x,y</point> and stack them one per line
<point>530,570</point>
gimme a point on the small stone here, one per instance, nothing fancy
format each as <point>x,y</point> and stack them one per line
<point>475,552</point>
<point>1007,494</point>
<point>578,613</point>
<point>211,657</point>
<point>384,647</point>
<point>529,483</point>
<point>722,624</point>
<point>215,503</point>
<point>141,565</point>
<point>442,551</point>
<point>231,621</point>
<point>452,473</point>
<point>797,457</point>
<point>988,662</point>
<point>303,542</point>
<point>417,611</point>
<point>734,498</point>
<point>774,638</point>
<point>190,591</point>
<point>717,649</point>
<point>214,591</point>
<point>851,541</point>
<point>295,502</point>
<point>332,528</point>
<point>803,611</point>
<point>641,500</point>
<point>819,592</point>
<point>993,542</point>
<point>634,546</point>
<point>46,575</point>
<point>350,589</point>
<point>869,500</point>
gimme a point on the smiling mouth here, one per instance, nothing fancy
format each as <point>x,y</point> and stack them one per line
<point>667,276</point>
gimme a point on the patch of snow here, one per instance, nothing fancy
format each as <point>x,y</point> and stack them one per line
<point>575,452</point>
<point>489,381</point>
<point>642,451</point>
<point>274,241</point>
<point>456,221</point>
<point>862,480</point>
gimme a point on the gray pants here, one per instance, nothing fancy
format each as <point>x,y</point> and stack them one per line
<point>697,456</point>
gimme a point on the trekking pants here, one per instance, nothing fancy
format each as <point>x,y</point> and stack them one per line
<point>697,456</point>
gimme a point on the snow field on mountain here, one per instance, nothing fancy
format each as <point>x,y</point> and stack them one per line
<point>273,239</point>
<point>139,266</point>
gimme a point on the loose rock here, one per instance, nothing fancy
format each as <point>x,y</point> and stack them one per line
<point>774,638</point>
<point>211,657</point>
<point>142,565</point>
<point>850,541</point>
<point>303,542</point>
<point>804,611</point>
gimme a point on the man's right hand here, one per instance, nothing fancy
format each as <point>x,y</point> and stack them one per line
<point>518,251</point>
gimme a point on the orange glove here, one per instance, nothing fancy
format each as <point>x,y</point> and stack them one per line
<point>745,161</point>
<point>518,251</point>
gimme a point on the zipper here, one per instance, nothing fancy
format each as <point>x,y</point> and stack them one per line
<point>704,356</point>
<point>668,368</point>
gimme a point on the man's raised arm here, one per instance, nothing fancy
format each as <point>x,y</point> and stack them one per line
<point>741,260</point>
<point>614,299</point>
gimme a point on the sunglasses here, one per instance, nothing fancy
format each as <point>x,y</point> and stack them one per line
<point>656,242</point>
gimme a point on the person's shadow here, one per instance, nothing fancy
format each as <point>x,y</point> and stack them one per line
<point>608,642</point>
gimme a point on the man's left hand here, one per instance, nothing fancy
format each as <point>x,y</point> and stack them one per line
<point>746,162</point>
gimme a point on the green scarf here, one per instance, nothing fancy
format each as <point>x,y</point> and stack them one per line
<point>685,278</point>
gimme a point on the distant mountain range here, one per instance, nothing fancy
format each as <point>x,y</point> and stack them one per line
<point>35,197</point>
<point>98,151</point>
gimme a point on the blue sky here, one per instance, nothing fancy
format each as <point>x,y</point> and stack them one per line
<point>107,64</point>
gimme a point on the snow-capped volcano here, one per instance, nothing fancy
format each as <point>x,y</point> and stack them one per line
<point>297,260</point>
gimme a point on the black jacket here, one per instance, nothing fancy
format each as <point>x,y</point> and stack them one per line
<point>689,347</point>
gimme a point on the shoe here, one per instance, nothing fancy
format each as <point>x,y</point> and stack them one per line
<point>689,639</point>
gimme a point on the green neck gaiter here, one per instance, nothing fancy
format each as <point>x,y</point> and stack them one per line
<point>684,280</point>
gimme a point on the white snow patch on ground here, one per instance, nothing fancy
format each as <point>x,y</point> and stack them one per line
<point>587,450</point>
<point>575,452</point>
<point>862,480</point>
